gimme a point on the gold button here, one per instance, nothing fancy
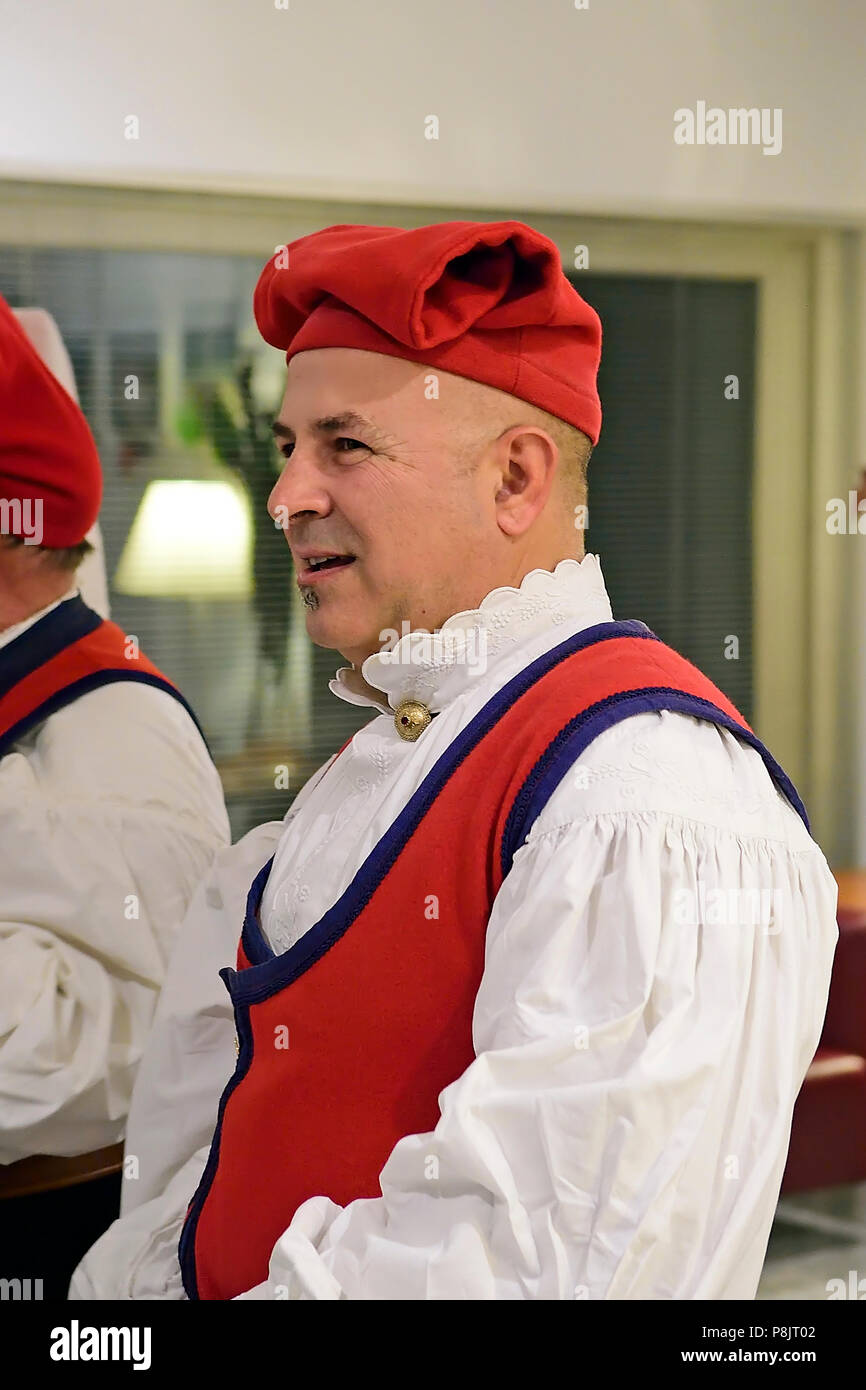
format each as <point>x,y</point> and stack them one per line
<point>237,1046</point>
<point>411,719</point>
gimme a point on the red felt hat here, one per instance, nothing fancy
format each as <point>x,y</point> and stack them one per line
<point>47,453</point>
<point>485,300</point>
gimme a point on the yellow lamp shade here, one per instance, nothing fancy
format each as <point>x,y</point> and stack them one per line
<point>190,539</point>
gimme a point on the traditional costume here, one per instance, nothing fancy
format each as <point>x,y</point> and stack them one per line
<point>530,975</point>
<point>110,812</point>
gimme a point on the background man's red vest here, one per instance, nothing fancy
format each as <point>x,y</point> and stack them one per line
<point>376,1000</point>
<point>69,652</point>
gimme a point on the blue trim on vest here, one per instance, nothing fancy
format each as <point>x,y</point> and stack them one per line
<point>70,693</point>
<point>270,972</point>
<point>558,759</point>
<point>67,623</point>
<point>39,644</point>
<point>186,1244</point>
<point>252,934</point>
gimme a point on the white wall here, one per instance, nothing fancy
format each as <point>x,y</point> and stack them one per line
<point>540,105</point>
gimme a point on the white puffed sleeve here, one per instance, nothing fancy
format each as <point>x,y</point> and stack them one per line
<point>654,990</point>
<point>189,1057</point>
<point>110,813</point>
<point>136,1258</point>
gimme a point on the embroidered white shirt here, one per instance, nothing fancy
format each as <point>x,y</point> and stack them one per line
<point>657,967</point>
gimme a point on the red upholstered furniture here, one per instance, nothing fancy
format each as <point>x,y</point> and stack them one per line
<point>828,1135</point>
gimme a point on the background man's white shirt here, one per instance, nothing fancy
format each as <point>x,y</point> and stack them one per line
<point>110,813</point>
<point>623,1130</point>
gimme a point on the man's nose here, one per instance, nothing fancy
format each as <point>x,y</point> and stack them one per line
<point>298,489</point>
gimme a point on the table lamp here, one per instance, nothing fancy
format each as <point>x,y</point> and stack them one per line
<point>190,539</point>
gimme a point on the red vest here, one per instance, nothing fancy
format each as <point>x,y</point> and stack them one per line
<point>376,1000</point>
<point>69,652</point>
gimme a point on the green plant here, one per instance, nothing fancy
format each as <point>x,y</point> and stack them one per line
<point>226,414</point>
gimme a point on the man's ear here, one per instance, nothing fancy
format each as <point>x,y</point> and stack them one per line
<point>526,473</point>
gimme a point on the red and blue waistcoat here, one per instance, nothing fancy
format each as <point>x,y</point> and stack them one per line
<point>375,1001</point>
<point>69,652</point>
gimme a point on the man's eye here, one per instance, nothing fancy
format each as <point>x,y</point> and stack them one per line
<point>349,446</point>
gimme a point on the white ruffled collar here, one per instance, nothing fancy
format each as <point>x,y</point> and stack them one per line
<point>508,628</point>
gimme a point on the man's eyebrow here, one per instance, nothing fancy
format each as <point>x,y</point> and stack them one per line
<point>330,424</point>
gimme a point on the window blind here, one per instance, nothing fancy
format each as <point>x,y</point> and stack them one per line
<point>154,335</point>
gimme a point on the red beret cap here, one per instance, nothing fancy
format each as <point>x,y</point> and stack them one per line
<point>47,452</point>
<point>485,300</point>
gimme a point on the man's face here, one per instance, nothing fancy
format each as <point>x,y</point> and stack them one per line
<point>373,471</point>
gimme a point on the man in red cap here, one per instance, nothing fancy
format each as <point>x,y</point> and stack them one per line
<point>110,812</point>
<point>530,976</point>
